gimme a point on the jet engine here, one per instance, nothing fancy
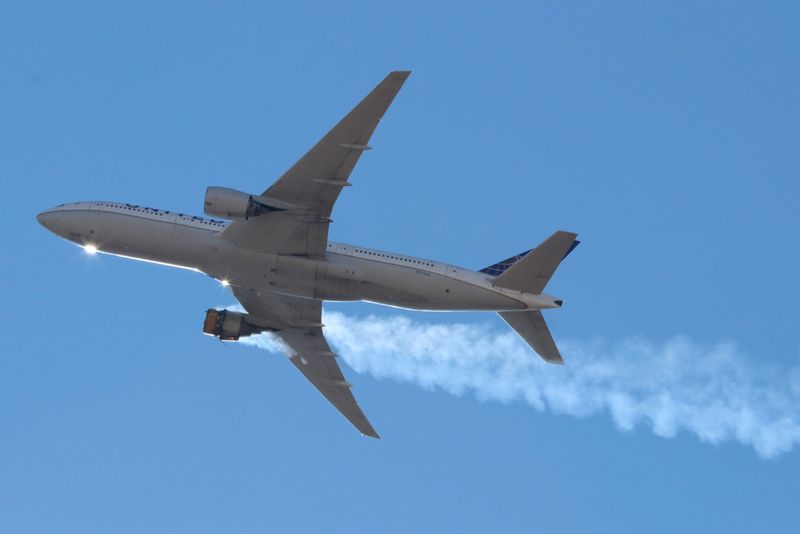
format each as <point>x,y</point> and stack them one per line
<point>229,325</point>
<point>232,204</point>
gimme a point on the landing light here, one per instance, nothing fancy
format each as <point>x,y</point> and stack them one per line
<point>91,250</point>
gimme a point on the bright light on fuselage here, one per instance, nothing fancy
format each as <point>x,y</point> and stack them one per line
<point>91,250</point>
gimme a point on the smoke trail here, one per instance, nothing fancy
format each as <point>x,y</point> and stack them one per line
<point>711,391</point>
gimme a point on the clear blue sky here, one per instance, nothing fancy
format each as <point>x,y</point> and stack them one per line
<point>666,135</point>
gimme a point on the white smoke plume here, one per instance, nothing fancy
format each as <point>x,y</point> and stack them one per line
<point>711,391</point>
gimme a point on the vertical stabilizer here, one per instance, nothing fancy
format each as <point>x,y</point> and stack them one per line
<point>531,273</point>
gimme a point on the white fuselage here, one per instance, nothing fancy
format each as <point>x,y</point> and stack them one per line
<point>346,273</point>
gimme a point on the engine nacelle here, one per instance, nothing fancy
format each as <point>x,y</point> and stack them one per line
<point>229,325</point>
<point>232,204</point>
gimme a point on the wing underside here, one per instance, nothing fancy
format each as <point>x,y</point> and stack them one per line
<point>315,181</point>
<point>297,322</point>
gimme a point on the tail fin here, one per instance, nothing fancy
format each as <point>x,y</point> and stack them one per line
<point>531,327</point>
<point>531,272</point>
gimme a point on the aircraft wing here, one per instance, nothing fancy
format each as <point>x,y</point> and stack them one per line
<point>313,184</point>
<point>298,324</point>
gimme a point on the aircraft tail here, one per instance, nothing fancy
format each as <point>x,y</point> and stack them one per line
<point>530,271</point>
<point>531,327</point>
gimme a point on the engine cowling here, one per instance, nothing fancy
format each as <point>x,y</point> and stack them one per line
<point>229,325</point>
<point>232,204</point>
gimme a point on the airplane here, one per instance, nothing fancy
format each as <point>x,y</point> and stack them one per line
<point>272,251</point>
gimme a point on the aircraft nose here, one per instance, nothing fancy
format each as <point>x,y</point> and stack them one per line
<point>48,218</point>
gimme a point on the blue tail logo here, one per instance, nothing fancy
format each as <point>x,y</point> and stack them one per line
<point>500,267</point>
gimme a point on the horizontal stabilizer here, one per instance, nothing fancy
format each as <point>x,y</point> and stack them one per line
<point>532,271</point>
<point>531,327</point>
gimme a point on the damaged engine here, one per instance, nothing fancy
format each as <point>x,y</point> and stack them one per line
<point>229,325</point>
